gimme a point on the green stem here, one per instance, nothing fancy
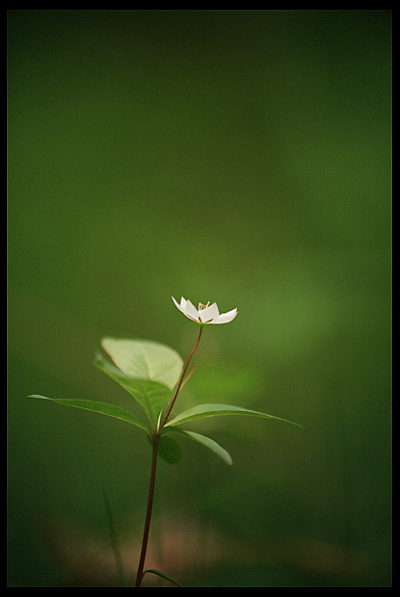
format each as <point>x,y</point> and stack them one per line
<point>139,576</point>
<point>181,380</point>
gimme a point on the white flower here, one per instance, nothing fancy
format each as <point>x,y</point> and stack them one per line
<point>205,313</point>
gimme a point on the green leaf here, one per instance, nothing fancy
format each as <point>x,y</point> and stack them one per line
<point>151,396</point>
<point>162,575</point>
<point>147,370</point>
<point>215,410</point>
<point>169,449</point>
<point>100,407</point>
<point>205,441</point>
<point>142,359</point>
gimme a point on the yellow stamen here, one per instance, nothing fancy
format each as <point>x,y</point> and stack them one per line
<point>201,306</point>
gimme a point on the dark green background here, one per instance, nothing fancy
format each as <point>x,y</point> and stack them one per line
<point>242,157</point>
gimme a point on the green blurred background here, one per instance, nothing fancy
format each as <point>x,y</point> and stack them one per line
<point>242,157</point>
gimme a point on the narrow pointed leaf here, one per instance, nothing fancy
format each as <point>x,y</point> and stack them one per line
<point>100,407</point>
<point>152,396</point>
<point>203,411</point>
<point>205,441</point>
<point>162,575</point>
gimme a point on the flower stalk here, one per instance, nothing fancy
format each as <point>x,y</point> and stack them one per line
<point>181,380</point>
<point>156,440</point>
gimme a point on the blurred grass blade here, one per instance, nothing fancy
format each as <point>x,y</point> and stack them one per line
<point>207,442</point>
<point>162,575</point>
<point>117,554</point>
<point>203,411</point>
<point>100,407</point>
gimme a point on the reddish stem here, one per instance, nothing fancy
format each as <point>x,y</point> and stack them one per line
<point>148,513</point>
<point>156,439</point>
<point>181,380</point>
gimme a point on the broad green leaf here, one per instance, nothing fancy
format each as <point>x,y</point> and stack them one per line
<point>205,441</point>
<point>214,410</point>
<point>152,396</point>
<point>100,407</point>
<point>142,359</point>
<point>169,449</point>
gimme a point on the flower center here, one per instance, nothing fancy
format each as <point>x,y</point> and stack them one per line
<point>201,306</point>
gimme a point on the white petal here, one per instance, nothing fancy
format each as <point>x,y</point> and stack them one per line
<point>182,307</point>
<point>191,311</point>
<point>226,317</point>
<point>176,303</point>
<point>209,313</point>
